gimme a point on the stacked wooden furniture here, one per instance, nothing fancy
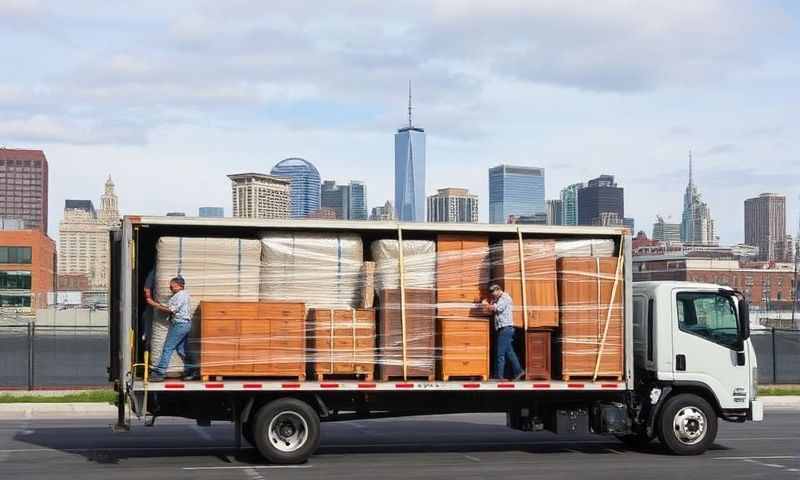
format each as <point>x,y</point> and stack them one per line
<point>418,355</point>
<point>341,342</point>
<point>591,321</point>
<point>463,324</point>
<point>252,339</point>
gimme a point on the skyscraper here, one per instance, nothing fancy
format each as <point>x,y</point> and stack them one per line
<point>211,212</point>
<point>600,195</point>
<point>515,191</point>
<point>348,201</point>
<point>697,226</point>
<point>569,204</point>
<point>23,187</point>
<point>109,205</point>
<point>409,171</point>
<point>305,193</point>
<point>256,195</point>
<point>385,212</point>
<point>453,205</point>
<point>555,212</point>
<point>765,226</point>
<point>666,232</point>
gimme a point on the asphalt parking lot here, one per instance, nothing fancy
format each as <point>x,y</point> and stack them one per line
<point>454,446</point>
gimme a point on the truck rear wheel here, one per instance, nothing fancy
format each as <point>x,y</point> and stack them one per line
<point>286,431</point>
<point>687,425</point>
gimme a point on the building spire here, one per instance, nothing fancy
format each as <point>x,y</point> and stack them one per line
<point>691,180</point>
<point>409,104</point>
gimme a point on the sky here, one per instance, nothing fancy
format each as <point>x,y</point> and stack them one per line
<point>170,97</point>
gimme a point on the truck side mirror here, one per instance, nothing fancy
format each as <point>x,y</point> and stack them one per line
<point>744,318</point>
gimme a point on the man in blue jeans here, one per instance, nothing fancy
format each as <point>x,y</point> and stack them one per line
<point>179,308</point>
<point>502,307</point>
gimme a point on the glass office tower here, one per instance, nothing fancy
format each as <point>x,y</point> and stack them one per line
<point>305,194</point>
<point>515,191</point>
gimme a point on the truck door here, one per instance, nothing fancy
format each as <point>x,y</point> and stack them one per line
<point>706,343</point>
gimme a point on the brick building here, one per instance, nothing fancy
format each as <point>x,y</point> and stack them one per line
<point>23,187</point>
<point>762,283</point>
<point>27,268</point>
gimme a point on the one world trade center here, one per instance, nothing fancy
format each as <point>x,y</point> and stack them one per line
<point>409,171</point>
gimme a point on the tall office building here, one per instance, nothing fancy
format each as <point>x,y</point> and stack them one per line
<point>83,238</point>
<point>697,226</point>
<point>600,195</point>
<point>409,171</point>
<point>384,212</point>
<point>305,193</point>
<point>515,191</point>
<point>765,226</point>
<point>569,204</point>
<point>666,232</point>
<point>23,187</point>
<point>211,212</point>
<point>348,201</point>
<point>555,212</point>
<point>256,195</point>
<point>453,205</point>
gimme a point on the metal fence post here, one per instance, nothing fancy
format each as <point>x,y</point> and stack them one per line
<point>774,360</point>
<point>31,333</point>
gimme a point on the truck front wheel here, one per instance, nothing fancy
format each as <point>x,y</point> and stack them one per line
<point>687,424</point>
<point>286,431</point>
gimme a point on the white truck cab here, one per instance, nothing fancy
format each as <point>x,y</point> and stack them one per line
<point>694,362</point>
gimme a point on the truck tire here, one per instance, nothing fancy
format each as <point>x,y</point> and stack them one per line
<point>687,424</point>
<point>286,431</point>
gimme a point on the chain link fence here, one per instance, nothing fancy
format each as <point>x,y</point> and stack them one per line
<point>778,352</point>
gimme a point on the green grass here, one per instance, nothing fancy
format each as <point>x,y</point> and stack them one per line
<point>779,391</point>
<point>99,396</point>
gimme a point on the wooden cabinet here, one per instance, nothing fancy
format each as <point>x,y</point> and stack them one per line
<point>540,280</point>
<point>585,285</point>
<point>537,354</point>
<point>341,342</point>
<point>463,343</point>
<point>462,268</point>
<point>418,354</point>
<point>252,339</point>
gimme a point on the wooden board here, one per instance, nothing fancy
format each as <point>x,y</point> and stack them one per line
<point>253,339</point>
<point>463,344</point>
<point>537,355</point>
<point>462,268</point>
<point>540,279</point>
<point>585,285</point>
<point>341,342</point>
<point>420,338</point>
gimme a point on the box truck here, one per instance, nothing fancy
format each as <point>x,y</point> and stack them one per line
<point>298,322</point>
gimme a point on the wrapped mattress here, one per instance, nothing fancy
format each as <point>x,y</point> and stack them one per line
<point>215,269</point>
<point>419,264</point>
<point>323,270</point>
<point>593,247</point>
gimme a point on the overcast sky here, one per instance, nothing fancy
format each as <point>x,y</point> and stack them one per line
<point>168,97</point>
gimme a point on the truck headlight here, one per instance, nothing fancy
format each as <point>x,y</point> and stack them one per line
<point>754,386</point>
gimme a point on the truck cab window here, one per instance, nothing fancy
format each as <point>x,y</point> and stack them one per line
<point>709,315</point>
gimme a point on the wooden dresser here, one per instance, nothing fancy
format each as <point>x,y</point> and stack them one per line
<point>420,338</point>
<point>537,355</point>
<point>252,339</point>
<point>341,342</point>
<point>462,341</point>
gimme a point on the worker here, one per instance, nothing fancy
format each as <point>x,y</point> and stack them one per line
<point>501,306</point>
<point>179,309</point>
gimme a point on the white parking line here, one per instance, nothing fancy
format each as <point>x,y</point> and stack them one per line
<point>773,457</point>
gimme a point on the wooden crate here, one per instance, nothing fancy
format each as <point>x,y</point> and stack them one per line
<point>540,279</point>
<point>585,285</point>
<point>537,355</point>
<point>252,339</point>
<point>463,343</point>
<point>420,324</point>
<point>462,268</point>
<point>341,342</point>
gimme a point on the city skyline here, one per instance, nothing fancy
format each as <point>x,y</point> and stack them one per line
<point>629,101</point>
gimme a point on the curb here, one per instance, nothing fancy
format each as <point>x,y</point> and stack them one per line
<point>781,402</point>
<point>15,411</point>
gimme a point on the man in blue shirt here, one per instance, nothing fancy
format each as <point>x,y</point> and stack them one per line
<point>179,308</point>
<point>502,307</point>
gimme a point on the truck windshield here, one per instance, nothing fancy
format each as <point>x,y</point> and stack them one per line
<point>709,315</point>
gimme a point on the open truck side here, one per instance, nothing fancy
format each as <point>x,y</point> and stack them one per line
<point>656,395</point>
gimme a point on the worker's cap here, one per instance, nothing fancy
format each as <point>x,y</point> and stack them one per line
<point>494,287</point>
<point>179,280</point>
